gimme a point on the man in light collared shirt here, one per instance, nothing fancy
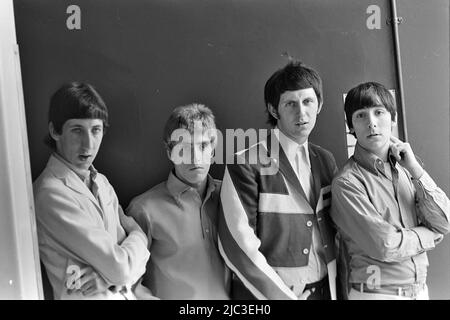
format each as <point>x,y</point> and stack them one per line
<point>386,207</point>
<point>89,248</point>
<point>274,229</point>
<point>179,215</point>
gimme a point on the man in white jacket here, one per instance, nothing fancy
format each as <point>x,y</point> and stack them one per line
<point>89,248</point>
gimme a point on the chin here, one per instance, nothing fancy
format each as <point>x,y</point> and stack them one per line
<point>197,179</point>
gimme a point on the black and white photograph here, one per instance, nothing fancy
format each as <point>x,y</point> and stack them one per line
<point>216,153</point>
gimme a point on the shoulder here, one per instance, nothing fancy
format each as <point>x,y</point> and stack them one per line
<point>47,183</point>
<point>348,175</point>
<point>322,152</point>
<point>150,198</point>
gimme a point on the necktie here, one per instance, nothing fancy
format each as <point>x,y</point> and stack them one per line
<point>304,172</point>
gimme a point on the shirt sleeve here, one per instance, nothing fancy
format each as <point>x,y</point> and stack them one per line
<point>238,242</point>
<point>73,232</point>
<point>140,214</point>
<point>433,204</point>
<point>358,220</point>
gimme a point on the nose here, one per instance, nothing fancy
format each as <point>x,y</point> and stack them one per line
<point>88,141</point>
<point>372,121</point>
<point>196,155</point>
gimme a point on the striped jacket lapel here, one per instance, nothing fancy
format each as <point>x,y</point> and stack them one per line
<point>285,166</point>
<point>315,170</point>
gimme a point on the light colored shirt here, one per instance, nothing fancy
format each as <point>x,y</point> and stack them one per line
<point>76,229</point>
<point>386,219</point>
<point>182,237</point>
<point>316,268</point>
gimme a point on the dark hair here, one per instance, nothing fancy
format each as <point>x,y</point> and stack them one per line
<point>294,76</point>
<point>184,117</point>
<point>75,100</point>
<point>366,95</point>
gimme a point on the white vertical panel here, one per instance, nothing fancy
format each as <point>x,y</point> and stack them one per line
<point>20,276</point>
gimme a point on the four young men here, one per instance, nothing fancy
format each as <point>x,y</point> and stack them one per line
<point>267,232</point>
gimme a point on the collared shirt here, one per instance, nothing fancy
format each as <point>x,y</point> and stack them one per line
<point>184,259</point>
<point>87,176</point>
<point>385,220</point>
<point>316,268</point>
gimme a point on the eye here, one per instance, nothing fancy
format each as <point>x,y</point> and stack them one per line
<point>308,101</point>
<point>359,115</point>
<point>380,112</point>
<point>76,130</point>
<point>290,104</point>
<point>205,145</point>
<point>97,130</point>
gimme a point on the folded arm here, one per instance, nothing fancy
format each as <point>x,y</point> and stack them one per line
<point>357,219</point>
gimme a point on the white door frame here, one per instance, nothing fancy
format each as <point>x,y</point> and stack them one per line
<point>20,274</point>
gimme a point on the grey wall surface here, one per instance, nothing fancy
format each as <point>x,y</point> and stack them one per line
<point>147,57</point>
<point>424,41</point>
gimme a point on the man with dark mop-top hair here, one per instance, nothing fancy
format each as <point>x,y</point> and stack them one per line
<point>89,248</point>
<point>274,228</point>
<point>387,208</point>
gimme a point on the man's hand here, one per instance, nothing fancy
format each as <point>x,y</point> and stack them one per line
<point>128,223</point>
<point>405,156</point>
<point>143,293</point>
<point>306,294</point>
<point>91,282</point>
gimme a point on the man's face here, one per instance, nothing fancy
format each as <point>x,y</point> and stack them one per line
<point>79,141</point>
<point>193,168</point>
<point>373,127</point>
<point>297,113</point>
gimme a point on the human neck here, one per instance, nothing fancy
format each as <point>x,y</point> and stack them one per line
<point>199,187</point>
<point>299,140</point>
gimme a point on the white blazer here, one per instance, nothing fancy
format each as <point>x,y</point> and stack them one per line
<point>77,230</point>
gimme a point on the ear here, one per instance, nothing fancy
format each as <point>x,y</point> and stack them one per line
<point>273,111</point>
<point>320,107</point>
<point>394,122</point>
<point>352,130</point>
<point>51,130</point>
<point>168,152</point>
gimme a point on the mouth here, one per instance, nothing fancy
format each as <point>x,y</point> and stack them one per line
<point>301,123</point>
<point>196,168</point>
<point>84,157</point>
<point>374,135</point>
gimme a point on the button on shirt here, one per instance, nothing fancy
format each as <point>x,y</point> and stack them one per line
<point>184,259</point>
<point>298,156</point>
<point>385,218</point>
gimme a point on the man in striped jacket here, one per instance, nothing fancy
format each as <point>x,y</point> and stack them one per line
<point>274,228</point>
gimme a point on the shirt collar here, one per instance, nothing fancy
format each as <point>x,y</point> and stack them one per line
<point>177,187</point>
<point>370,161</point>
<point>290,147</point>
<point>83,174</point>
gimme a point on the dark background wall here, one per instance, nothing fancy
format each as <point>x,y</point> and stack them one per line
<point>147,57</point>
<point>424,44</point>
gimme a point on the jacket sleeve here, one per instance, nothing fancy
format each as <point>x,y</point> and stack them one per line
<point>70,230</point>
<point>357,219</point>
<point>138,211</point>
<point>238,240</point>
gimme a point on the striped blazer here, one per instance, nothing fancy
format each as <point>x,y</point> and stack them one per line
<point>264,222</point>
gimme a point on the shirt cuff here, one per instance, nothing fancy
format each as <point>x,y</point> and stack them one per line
<point>426,181</point>
<point>141,235</point>
<point>426,237</point>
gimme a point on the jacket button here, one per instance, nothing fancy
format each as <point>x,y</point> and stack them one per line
<point>309,223</point>
<point>305,251</point>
